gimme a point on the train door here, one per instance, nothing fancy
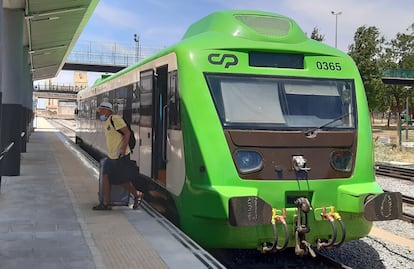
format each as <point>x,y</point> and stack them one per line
<point>146,122</point>
<point>160,122</point>
<point>174,143</point>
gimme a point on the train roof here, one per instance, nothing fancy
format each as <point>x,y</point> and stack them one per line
<point>249,24</point>
<point>271,30</point>
<point>250,29</point>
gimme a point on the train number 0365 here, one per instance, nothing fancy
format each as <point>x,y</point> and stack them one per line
<point>328,66</point>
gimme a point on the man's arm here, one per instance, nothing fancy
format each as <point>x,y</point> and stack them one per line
<point>125,139</point>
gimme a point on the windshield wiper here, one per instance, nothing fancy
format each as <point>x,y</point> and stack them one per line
<point>311,131</point>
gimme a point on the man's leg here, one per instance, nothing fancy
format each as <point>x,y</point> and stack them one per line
<point>129,187</point>
<point>137,194</point>
<point>106,191</point>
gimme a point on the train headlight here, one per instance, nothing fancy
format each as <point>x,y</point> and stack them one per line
<point>248,161</point>
<point>341,160</point>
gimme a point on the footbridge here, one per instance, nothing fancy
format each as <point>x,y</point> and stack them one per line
<point>53,93</point>
<point>94,57</point>
<point>398,76</point>
<point>106,57</point>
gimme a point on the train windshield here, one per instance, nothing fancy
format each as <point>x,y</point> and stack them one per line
<point>259,102</point>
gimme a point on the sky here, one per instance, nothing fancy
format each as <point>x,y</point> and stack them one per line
<point>160,23</point>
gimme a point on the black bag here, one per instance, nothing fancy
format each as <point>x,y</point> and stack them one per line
<point>142,183</point>
<point>127,169</point>
<point>132,141</point>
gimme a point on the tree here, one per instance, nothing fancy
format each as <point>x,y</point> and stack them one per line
<point>400,55</point>
<point>316,35</point>
<point>402,50</point>
<point>372,54</point>
<point>367,50</point>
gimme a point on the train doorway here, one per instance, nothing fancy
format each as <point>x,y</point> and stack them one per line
<point>159,159</point>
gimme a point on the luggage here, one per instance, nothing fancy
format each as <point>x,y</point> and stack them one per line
<point>119,196</point>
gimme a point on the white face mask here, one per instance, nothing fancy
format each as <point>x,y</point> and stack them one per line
<point>103,117</point>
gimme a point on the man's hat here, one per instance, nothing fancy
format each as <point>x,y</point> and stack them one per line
<point>106,105</point>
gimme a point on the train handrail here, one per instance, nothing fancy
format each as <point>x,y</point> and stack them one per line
<point>6,150</point>
<point>164,133</point>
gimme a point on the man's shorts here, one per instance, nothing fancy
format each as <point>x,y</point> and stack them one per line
<point>113,168</point>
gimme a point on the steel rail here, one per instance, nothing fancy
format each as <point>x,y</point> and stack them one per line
<point>407,216</point>
<point>394,171</point>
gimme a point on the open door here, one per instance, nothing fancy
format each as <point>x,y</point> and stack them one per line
<point>159,156</point>
<point>153,123</point>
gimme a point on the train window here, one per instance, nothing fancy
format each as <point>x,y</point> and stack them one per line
<point>146,88</point>
<point>264,102</point>
<point>135,104</point>
<point>93,107</point>
<point>173,102</point>
<point>120,100</point>
<point>315,103</point>
<point>249,101</point>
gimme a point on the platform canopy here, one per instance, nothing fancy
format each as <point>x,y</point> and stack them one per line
<point>52,28</point>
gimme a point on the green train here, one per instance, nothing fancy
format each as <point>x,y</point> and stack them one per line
<point>250,135</point>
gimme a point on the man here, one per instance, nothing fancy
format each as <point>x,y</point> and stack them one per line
<point>117,150</point>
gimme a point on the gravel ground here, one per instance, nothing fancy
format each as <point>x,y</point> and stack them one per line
<point>371,252</point>
<point>406,187</point>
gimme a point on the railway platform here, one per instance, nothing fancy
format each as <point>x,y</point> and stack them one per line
<point>46,220</point>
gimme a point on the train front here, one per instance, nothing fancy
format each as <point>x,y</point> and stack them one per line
<point>278,148</point>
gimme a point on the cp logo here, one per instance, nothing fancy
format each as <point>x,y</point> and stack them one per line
<point>229,59</point>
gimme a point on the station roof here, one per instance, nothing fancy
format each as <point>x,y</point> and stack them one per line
<point>51,30</point>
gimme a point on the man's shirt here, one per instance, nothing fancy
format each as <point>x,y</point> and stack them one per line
<point>113,137</point>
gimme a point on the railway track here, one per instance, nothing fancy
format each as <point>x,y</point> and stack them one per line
<point>394,171</point>
<point>253,259</point>
<point>400,173</point>
<point>410,202</point>
<point>65,126</point>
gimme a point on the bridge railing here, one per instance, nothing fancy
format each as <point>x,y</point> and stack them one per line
<point>116,54</point>
<point>103,59</point>
<point>58,88</point>
<point>398,73</point>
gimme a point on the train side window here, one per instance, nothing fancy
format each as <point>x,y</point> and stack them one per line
<point>93,108</point>
<point>135,104</point>
<point>174,119</point>
<point>87,109</point>
<point>146,85</point>
<point>120,100</point>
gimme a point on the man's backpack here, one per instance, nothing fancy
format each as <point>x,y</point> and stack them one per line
<point>132,141</point>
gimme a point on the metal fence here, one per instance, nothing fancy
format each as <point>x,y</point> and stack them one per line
<point>398,73</point>
<point>57,87</point>
<point>118,54</point>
